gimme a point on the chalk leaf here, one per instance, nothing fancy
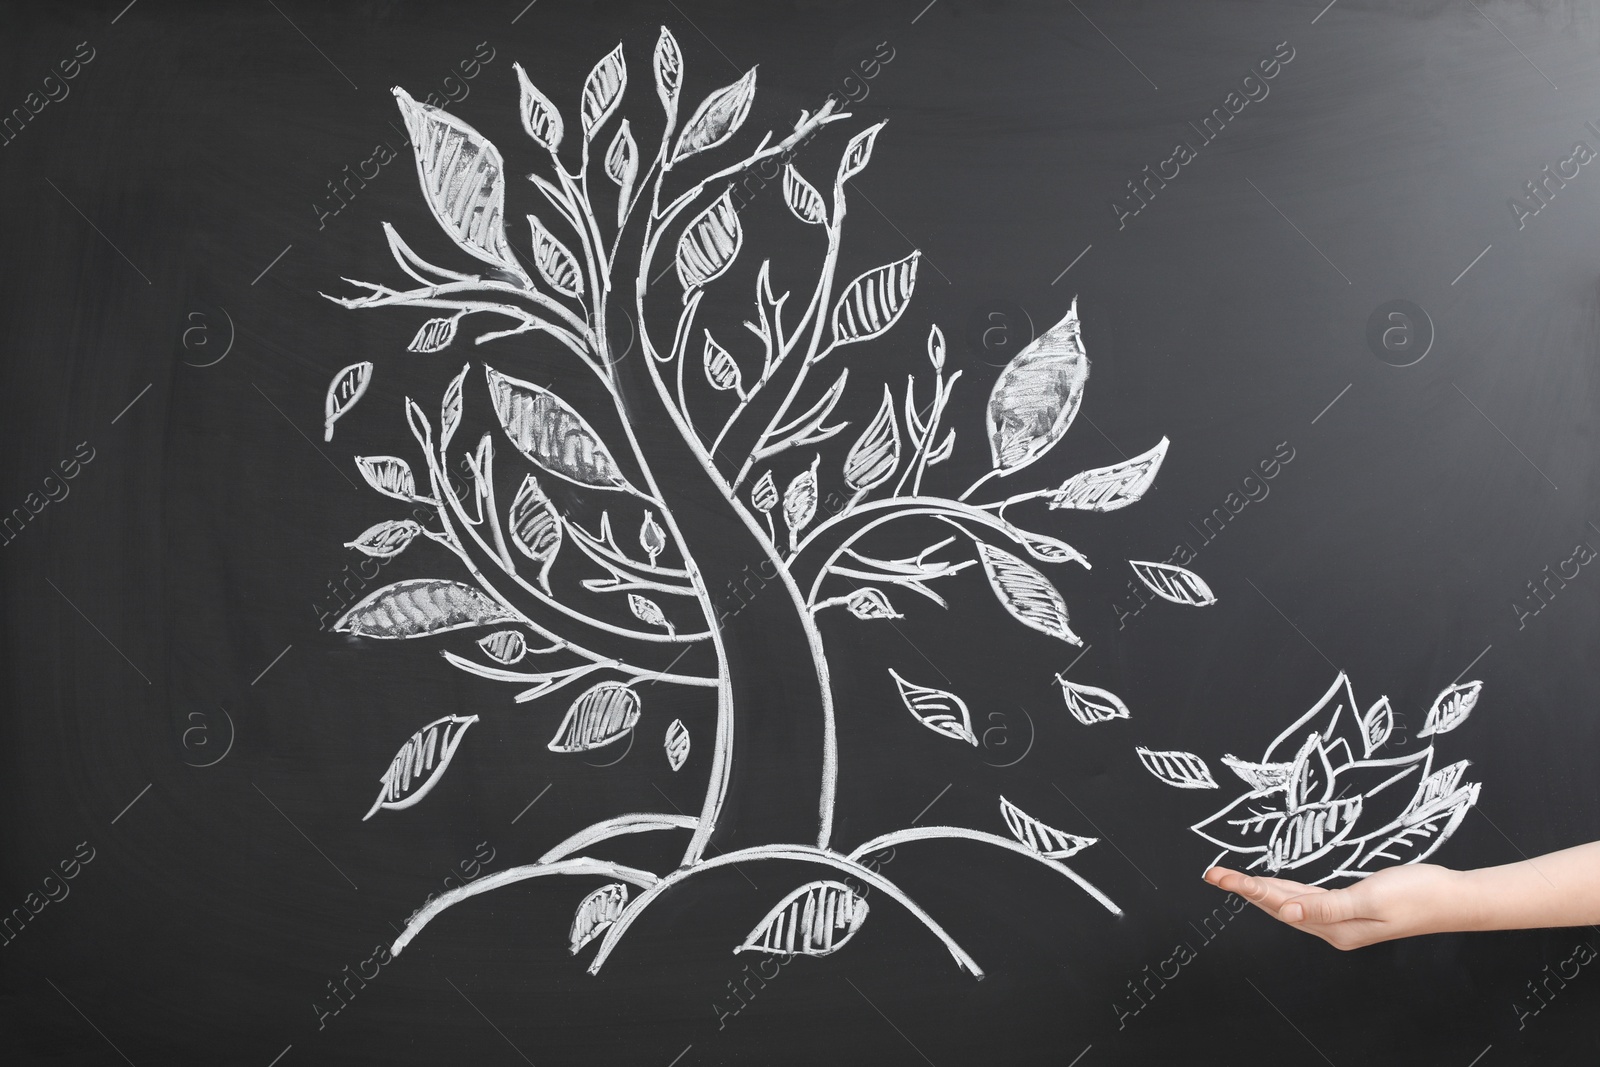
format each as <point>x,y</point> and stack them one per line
<point>388,475</point>
<point>717,118</point>
<point>709,244</point>
<point>875,455</point>
<point>874,301</point>
<point>463,180</point>
<point>1046,840</point>
<point>938,710</point>
<point>1171,582</point>
<point>420,607</point>
<point>1025,593</point>
<point>387,539</point>
<point>1184,770</point>
<point>549,432</point>
<point>1037,395</point>
<point>814,920</point>
<point>347,387</point>
<point>599,716</point>
<point>1090,704</point>
<point>420,763</point>
<point>1113,487</point>
<point>598,911</point>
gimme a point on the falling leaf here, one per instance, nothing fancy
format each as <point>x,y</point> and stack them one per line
<point>648,611</point>
<point>669,69</point>
<point>596,914</point>
<point>1037,395</point>
<point>1046,840</point>
<point>652,538</point>
<point>389,476</point>
<point>450,408</point>
<point>1259,775</point>
<point>800,501</point>
<point>1113,487</point>
<point>721,371</point>
<point>1091,704</point>
<point>676,745</point>
<point>709,243</point>
<point>420,607</point>
<point>504,646</point>
<point>936,348</point>
<point>387,539</point>
<point>874,301</point>
<point>462,179</point>
<point>1025,593</point>
<point>546,430</point>
<point>1312,831</point>
<point>876,453</point>
<point>435,335</point>
<point>622,167</point>
<point>1171,582</point>
<point>1184,770</point>
<point>600,715</point>
<point>557,265</point>
<point>1451,708</point>
<point>347,387</point>
<point>814,920</point>
<point>868,602</point>
<point>426,752</point>
<point>535,526</point>
<point>764,494</point>
<point>1376,726</point>
<point>857,153</point>
<point>539,116</point>
<point>717,118</point>
<point>602,89</point>
<point>802,197</point>
<point>942,712</point>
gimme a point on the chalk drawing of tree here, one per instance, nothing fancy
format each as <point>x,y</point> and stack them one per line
<point>624,251</point>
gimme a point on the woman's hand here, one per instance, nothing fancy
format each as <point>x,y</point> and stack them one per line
<point>1403,901</point>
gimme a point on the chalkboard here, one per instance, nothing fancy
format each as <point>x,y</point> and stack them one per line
<point>708,533</point>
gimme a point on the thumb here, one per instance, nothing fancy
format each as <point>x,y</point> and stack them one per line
<point>1334,906</point>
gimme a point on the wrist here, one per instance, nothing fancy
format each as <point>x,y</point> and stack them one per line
<point>1469,902</point>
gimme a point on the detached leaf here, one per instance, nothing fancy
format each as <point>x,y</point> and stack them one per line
<point>1376,726</point>
<point>546,430</point>
<point>1026,594</point>
<point>539,116</point>
<point>1113,487</point>
<point>874,301</point>
<point>676,745</point>
<point>709,243</point>
<point>1090,704</point>
<point>599,716</point>
<point>435,335</point>
<point>420,607</point>
<point>1184,770</point>
<point>504,646</point>
<point>764,494</point>
<point>942,712</point>
<point>1171,582</point>
<point>462,179</point>
<point>721,371</point>
<point>1046,840</point>
<point>535,526</point>
<point>669,70</point>
<point>800,501</point>
<point>652,538</point>
<point>426,752</point>
<point>868,602</point>
<point>596,914</point>
<point>1036,397</point>
<point>814,920</point>
<point>602,89</point>
<point>648,611</point>
<point>876,453</point>
<point>1451,708</point>
<point>347,387</point>
<point>387,539</point>
<point>803,198</point>
<point>858,153</point>
<point>389,476</point>
<point>557,265</point>
<point>718,117</point>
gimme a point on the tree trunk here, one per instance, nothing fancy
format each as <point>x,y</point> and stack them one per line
<point>775,740</point>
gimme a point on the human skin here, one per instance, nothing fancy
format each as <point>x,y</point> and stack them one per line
<point>1556,889</point>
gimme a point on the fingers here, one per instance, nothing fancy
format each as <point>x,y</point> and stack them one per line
<point>1322,909</point>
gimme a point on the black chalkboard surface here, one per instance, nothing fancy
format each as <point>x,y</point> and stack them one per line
<point>699,533</point>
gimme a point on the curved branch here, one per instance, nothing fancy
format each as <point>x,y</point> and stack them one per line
<point>930,833</point>
<point>582,865</point>
<point>636,823</point>
<point>383,296</point>
<point>799,853</point>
